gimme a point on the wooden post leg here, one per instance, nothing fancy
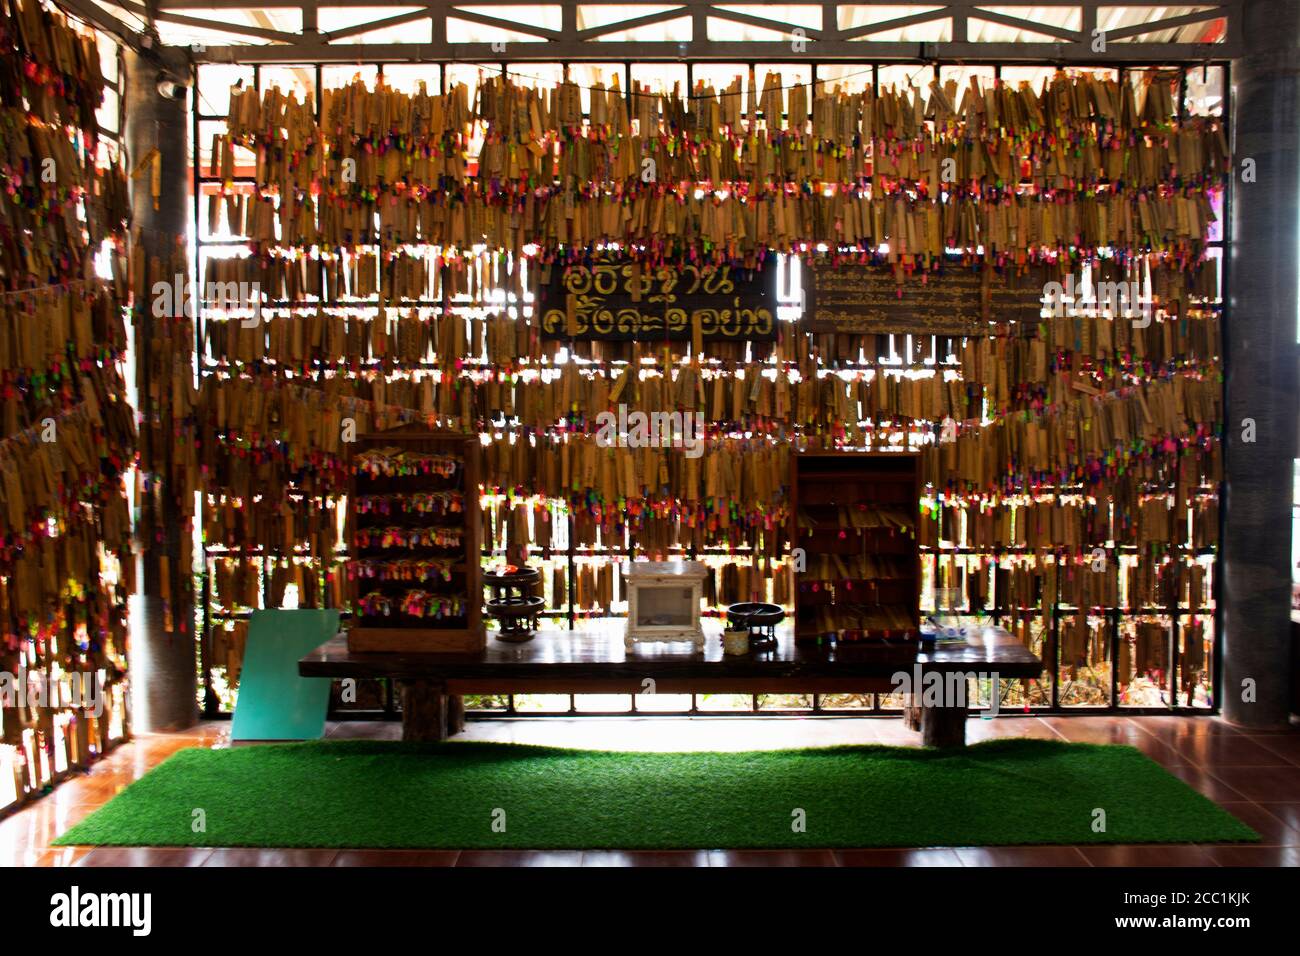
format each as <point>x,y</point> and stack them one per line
<point>424,711</point>
<point>455,714</point>
<point>943,726</point>
<point>912,711</point>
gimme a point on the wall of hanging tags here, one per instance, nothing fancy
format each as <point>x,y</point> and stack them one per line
<point>1052,454</point>
<point>67,433</point>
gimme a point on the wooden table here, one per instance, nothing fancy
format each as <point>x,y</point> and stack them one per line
<point>595,662</point>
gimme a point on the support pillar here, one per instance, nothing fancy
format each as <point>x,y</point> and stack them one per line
<point>424,711</point>
<point>1261,359</point>
<point>163,666</point>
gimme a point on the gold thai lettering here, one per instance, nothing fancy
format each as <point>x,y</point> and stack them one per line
<point>621,300</point>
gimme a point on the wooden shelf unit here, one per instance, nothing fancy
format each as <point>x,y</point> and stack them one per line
<point>398,631</point>
<point>855,516</point>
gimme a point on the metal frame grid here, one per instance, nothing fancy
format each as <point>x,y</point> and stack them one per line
<point>1113,616</point>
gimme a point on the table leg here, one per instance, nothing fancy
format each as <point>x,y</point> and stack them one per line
<point>912,712</point>
<point>455,714</point>
<point>943,726</point>
<point>424,710</point>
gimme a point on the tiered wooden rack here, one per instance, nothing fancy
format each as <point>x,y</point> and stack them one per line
<point>854,517</point>
<point>413,533</point>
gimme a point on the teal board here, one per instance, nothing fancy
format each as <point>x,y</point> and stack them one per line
<point>274,703</point>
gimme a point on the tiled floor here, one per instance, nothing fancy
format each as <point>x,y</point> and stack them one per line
<point>1254,775</point>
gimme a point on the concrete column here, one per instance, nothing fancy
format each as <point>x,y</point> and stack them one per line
<point>162,664</point>
<point>1261,357</point>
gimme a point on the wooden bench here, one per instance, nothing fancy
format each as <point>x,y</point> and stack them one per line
<point>595,662</point>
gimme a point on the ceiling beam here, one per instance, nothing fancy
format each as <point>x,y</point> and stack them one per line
<point>915,19</point>
<point>1031,26</point>
<point>357,29</point>
<point>589,34</point>
<point>780,26</point>
<point>96,16</point>
<point>509,26</point>
<point>1069,48</point>
<point>1169,23</point>
<point>222,26</point>
<point>1062,54</point>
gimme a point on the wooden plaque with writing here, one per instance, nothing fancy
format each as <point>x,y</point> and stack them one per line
<point>860,299</point>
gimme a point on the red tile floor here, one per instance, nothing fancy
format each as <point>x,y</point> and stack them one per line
<point>1255,775</point>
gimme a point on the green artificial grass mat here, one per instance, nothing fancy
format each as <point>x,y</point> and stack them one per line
<point>373,794</point>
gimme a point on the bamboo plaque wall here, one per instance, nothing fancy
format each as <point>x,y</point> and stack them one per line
<point>407,247</point>
<point>67,434</point>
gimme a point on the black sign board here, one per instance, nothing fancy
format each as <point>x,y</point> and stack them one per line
<point>864,299</point>
<point>632,301</point>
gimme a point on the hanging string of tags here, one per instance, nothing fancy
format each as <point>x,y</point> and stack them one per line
<point>67,433</point>
<point>1008,372</point>
<point>59,206</point>
<point>1088,439</point>
<point>169,473</point>
<point>34,607</point>
<point>64,518</point>
<point>168,446</point>
<point>301,525</point>
<point>1081,165</point>
<point>1084,642</point>
<point>63,521</point>
<point>1072,523</point>
<point>575,463</point>
<point>294,436</point>
<point>57,471</point>
<point>1095,579</point>
<point>49,65</point>
<point>1146,653</point>
<point>41,331</point>
<point>237,585</point>
<point>406,274</point>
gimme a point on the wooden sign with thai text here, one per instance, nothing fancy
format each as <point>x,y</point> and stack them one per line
<point>631,301</point>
